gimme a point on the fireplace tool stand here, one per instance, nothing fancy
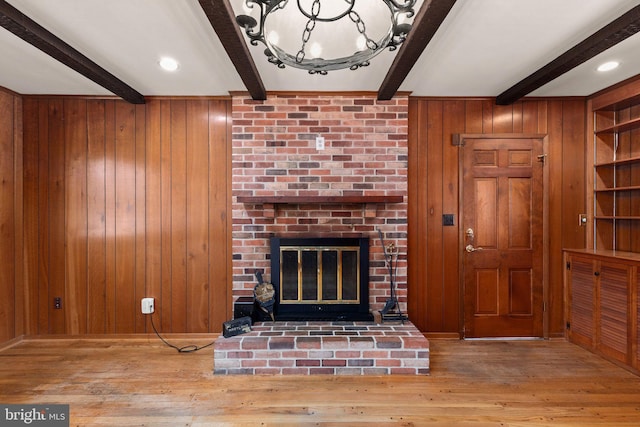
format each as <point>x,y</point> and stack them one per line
<point>391,310</point>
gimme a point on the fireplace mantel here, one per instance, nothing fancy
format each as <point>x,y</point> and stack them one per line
<point>270,203</point>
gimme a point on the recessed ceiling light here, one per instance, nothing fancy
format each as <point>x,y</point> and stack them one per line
<point>168,64</point>
<point>608,66</point>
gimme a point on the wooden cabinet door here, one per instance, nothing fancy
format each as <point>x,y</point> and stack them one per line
<point>582,301</point>
<point>612,333</point>
<point>635,310</point>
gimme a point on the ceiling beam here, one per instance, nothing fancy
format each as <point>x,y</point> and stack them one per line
<point>611,34</point>
<point>425,25</point>
<point>30,31</point>
<point>223,21</point>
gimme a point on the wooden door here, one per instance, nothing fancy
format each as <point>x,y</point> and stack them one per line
<point>502,220</point>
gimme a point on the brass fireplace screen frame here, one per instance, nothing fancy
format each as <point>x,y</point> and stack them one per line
<point>353,301</point>
<point>320,274</point>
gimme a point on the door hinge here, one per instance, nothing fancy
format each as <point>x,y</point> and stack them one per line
<point>542,158</point>
<point>544,307</point>
<point>568,265</point>
<point>568,325</point>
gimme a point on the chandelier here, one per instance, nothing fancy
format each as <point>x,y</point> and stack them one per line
<point>325,35</point>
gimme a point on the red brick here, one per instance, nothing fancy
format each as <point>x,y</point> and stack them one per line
<point>403,371</point>
<point>227,344</point>
<point>254,363</point>
<point>321,371</point>
<point>281,363</point>
<point>240,354</point>
<point>267,371</point>
<point>308,362</point>
<point>388,362</point>
<point>254,343</point>
<point>309,342</point>
<point>295,371</point>
<point>415,342</point>
<point>282,343</point>
<point>334,362</point>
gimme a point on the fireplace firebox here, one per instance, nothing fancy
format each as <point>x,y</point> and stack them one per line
<point>322,278</point>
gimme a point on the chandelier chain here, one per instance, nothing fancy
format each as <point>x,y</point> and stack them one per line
<point>306,33</point>
<point>362,29</point>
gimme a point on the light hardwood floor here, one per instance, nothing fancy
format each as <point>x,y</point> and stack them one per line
<point>140,381</point>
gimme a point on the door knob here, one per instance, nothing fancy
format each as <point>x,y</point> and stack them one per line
<point>471,248</point>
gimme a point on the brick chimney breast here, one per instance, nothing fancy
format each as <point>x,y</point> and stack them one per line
<point>275,154</point>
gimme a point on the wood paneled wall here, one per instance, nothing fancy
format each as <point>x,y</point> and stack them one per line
<point>119,202</point>
<point>123,202</point>
<point>434,302</point>
<point>11,272</point>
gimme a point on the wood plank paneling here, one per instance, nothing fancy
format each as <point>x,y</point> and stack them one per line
<point>8,210</point>
<point>128,201</point>
<point>415,225</point>
<point>55,240</point>
<point>96,218</point>
<point>434,297</point>
<point>453,122</point>
<point>197,191</point>
<point>75,162</point>
<point>220,239</point>
<point>125,217</point>
<point>141,212</point>
<point>41,188</point>
<point>153,209</point>
<point>110,216</point>
<point>18,197</point>
<point>30,217</point>
<point>434,263</point>
<point>572,197</point>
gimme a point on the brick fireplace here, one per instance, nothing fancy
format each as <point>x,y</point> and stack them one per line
<point>284,186</point>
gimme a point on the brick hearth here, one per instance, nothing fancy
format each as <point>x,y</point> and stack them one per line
<point>333,348</point>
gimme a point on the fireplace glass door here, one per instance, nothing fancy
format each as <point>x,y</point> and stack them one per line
<point>320,275</point>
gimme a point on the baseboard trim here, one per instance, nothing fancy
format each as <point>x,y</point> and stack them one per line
<point>102,337</point>
<point>13,341</point>
<point>441,335</point>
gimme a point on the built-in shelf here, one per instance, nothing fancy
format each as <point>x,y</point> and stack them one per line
<point>617,217</point>
<point>270,203</point>
<point>617,189</point>
<point>621,127</point>
<point>621,162</point>
<point>614,173</point>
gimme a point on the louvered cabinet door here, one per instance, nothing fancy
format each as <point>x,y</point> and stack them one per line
<point>581,328</point>
<point>635,309</point>
<point>613,296</point>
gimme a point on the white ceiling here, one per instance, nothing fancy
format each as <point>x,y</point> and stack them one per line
<point>483,48</point>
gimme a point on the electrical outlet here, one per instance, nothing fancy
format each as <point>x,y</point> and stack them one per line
<point>319,143</point>
<point>147,305</point>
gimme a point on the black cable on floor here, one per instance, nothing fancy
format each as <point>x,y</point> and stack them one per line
<point>186,349</point>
